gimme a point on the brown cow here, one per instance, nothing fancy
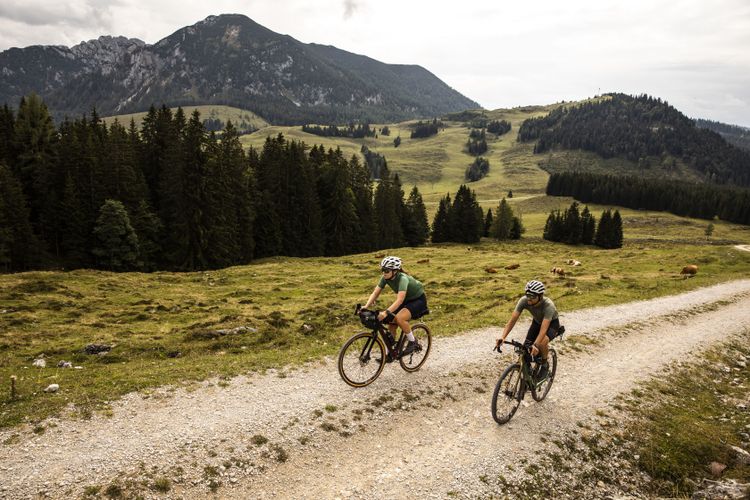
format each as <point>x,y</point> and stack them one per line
<point>490,270</point>
<point>558,270</point>
<point>512,266</point>
<point>690,270</point>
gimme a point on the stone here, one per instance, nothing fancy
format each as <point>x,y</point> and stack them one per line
<point>741,456</point>
<point>64,364</point>
<point>731,490</point>
<point>52,388</point>
<point>39,363</point>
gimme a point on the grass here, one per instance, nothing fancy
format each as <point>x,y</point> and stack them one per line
<point>241,118</point>
<point>145,317</point>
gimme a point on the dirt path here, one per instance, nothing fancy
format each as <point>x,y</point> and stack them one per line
<point>428,433</point>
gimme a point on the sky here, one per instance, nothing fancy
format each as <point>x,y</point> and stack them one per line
<point>694,54</point>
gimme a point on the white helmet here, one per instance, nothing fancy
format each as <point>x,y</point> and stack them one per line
<point>535,286</point>
<point>390,263</point>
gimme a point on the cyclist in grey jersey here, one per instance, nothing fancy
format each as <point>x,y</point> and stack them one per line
<point>544,327</point>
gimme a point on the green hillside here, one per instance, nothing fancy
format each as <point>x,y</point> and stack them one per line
<point>241,118</point>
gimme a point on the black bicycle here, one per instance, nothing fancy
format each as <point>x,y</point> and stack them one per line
<point>520,377</point>
<point>363,356</point>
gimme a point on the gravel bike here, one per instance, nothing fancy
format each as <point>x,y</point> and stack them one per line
<point>363,356</point>
<point>520,377</point>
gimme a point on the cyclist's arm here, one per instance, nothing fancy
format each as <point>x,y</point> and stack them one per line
<point>373,297</point>
<point>509,326</point>
<point>400,297</point>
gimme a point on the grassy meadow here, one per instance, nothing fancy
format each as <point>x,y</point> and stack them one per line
<point>163,326</point>
<point>239,117</point>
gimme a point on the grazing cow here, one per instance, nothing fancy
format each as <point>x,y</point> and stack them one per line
<point>490,270</point>
<point>690,270</point>
<point>573,262</point>
<point>512,266</point>
<point>558,270</point>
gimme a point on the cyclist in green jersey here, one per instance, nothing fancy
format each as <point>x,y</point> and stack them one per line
<point>544,327</point>
<point>410,302</point>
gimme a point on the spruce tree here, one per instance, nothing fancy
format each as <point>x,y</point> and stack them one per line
<point>363,199</point>
<point>19,247</point>
<point>195,175</point>
<point>572,227</point>
<point>339,209</point>
<point>517,230</point>
<point>488,221</point>
<point>501,229</point>
<point>416,227</point>
<point>588,226</point>
<point>616,230</point>
<point>387,220</point>
<point>74,228</point>
<point>148,228</point>
<point>603,231</point>
<point>466,218</point>
<point>116,242</point>
<point>441,223</point>
<point>7,124</point>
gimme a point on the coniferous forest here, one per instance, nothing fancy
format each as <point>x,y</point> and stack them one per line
<point>702,201</point>
<point>639,129</point>
<point>173,196</point>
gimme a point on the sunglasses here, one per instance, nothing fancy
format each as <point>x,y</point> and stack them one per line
<point>532,296</point>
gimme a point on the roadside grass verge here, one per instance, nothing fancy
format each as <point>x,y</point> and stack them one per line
<point>659,440</point>
<point>178,328</point>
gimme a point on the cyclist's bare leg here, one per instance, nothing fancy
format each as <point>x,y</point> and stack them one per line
<point>402,320</point>
<point>543,347</point>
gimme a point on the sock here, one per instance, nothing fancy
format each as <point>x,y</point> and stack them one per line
<point>410,337</point>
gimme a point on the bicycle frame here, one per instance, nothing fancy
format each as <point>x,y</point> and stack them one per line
<point>393,346</point>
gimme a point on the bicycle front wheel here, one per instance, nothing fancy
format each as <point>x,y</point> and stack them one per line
<point>505,398</point>
<point>540,390</point>
<point>361,359</point>
<point>413,361</point>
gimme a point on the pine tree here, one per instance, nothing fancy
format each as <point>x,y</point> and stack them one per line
<point>34,139</point>
<point>338,208</point>
<point>19,247</point>
<point>7,125</point>
<point>441,223</point>
<point>416,227</point>
<point>588,225</point>
<point>603,231</point>
<point>488,223</point>
<point>74,228</point>
<point>117,243</point>
<point>363,199</point>
<point>387,220</point>
<point>616,230</point>
<point>517,230</point>
<point>195,173</point>
<point>148,228</point>
<point>572,227</point>
<point>501,229</point>
<point>466,218</point>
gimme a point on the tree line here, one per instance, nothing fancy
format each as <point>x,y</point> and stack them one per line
<point>639,128</point>
<point>462,220</point>
<point>498,127</point>
<point>477,143</point>
<point>352,131</point>
<point>90,195</point>
<point>702,201</point>
<point>574,226</point>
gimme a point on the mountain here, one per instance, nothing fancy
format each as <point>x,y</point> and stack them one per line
<point>227,59</point>
<point>734,134</point>
<point>643,130</point>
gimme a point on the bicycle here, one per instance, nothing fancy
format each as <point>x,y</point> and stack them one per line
<point>520,377</point>
<point>363,357</point>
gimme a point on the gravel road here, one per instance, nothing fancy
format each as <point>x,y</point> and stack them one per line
<point>303,433</point>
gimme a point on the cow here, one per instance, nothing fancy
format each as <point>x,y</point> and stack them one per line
<point>558,270</point>
<point>573,262</point>
<point>690,270</point>
<point>512,266</point>
<point>490,270</point>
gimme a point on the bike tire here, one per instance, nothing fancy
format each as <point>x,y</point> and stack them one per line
<point>414,361</point>
<point>505,397</point>
<point>349,359</point>
<point>539,392</point>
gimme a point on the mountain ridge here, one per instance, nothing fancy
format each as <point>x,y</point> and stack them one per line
<point>227,59</point>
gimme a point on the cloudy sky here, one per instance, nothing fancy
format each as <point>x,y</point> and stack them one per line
<point>693,53</point>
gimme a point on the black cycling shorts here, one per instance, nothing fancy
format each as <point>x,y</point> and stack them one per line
<point>552,331</point>
<point>416,307</point>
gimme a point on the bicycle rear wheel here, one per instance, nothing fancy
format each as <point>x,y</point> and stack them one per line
<point>361,359</point>
<point>414,360</point>
<point>539,391</point>
<point>505,398</point>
